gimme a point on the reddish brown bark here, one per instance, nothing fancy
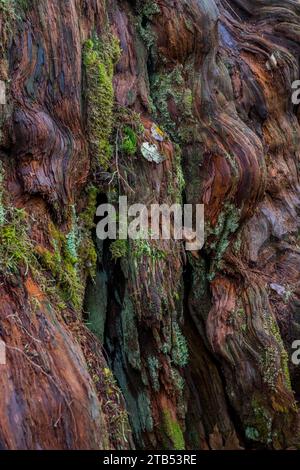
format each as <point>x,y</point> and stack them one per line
<point>201,70</point>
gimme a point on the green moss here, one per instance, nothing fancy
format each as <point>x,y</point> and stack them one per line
<point>118,249</point>
<point>71,258</point>
<point>63,268</point>
<point>16,248</point>
<point>173,432</point>
<point>143,248</point>
<point>129,142</point>
<point>87,216</point>
<point>99,57</point>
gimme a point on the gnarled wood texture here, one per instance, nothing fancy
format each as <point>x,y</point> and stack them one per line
<point>199,346</point>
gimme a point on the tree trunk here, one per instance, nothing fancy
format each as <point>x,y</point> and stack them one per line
<point>140,344</point>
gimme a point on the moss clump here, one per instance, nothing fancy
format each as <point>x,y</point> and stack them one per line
<point>63,267</point>
<point>99,58</point>
<point>16,247</point>
<point>129,142</point>
<point>71,258</point>
<point>86,217</point>
<point>118,249</point>
<point>173,432</point>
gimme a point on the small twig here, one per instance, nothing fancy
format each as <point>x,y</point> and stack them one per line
<point>23,327</point>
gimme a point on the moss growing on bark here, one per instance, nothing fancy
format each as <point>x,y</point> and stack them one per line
<point>143,248</point>
<point>99,58</point>
<point>129,142</point>
<point>173,432</point>
<point>16,247</point>
<point>118,249</point>
<point>63,267</point>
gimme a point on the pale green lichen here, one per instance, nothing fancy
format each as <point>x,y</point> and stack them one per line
<point>274,355</point>
<point>16,247</point>
<point>180,353</point>
<point>178,381</point>
<point>227,224</point>
<point>163,88</point>
<point>146,9</point>
<point>153,366</point>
